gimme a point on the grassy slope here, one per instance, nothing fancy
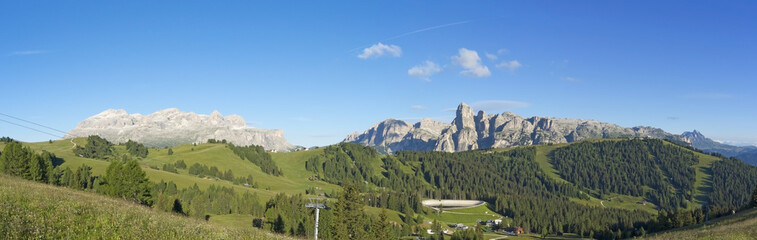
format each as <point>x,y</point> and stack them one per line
<point>295,176</point>
<point>35,210</point>
<point>293,181</point>
<point>742,225</point>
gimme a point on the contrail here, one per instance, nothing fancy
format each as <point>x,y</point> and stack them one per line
<point>427,29</point>
<point>418,31</point>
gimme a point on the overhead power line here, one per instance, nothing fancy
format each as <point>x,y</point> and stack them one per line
<point>33,123</point>
<point>33,129</point>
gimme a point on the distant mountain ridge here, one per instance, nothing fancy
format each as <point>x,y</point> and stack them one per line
<point>468,131</point>
<point>747,154</point>
<point>170,127</point>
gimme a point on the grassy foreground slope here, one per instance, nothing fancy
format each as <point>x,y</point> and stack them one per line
<point>34,210</point>
<point>742,225</point>
<point>294,181</point>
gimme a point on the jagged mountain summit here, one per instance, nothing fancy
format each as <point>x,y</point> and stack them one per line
<point>470,131</point>
<point>170,127</point>
<point>747,154</point>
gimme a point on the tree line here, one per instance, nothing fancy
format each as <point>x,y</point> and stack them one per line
<point>258,156</point>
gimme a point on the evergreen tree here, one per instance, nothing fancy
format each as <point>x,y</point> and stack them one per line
<point>278,225</point>
<point>37,169</point>
<point>136,149</point>
<point>754,197</point>
<point>96,147</point>
<point>300,230</point>
<point>437,228</point>
<point>381,230</point>
<point>14,159</point>
<point>127,181</point>
<point>349,213</point>
<point>170,151</point>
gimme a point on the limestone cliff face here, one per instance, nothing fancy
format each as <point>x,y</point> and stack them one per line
<point>170,127</point>
<point>468,132</point>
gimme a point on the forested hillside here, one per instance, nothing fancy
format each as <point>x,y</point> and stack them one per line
<point>602,189</point>
<point>662,173</point>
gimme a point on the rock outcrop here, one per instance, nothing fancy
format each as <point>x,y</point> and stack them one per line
<point>468,132</point>
<point>170,127</point>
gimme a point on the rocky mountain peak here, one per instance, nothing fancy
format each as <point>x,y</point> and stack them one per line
<point>469,131</point>
<point>464,117</point>
<point>169,127</point>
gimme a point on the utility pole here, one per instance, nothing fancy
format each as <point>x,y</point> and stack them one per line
<point>316,203</point>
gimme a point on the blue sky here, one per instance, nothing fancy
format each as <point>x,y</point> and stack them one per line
<point>321,70</point>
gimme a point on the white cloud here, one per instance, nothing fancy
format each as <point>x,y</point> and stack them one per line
<point>503,51</point>
<point>30,52</point>
<point>417,107</point>
<point>570,79</point>
<point>379,49</point>
<point>498,105</point>
<point>470,60</point>
<point>741,141</point>
<point>491,56</point>
<point>510,65</point>
<point>424,70</point>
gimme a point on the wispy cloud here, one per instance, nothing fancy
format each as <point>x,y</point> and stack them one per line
<point>743,140</point>
<point>510,65</point>
<point>470,60</point>
<point>711,96</point>
<point>29,52</point>
<point>491,56</point>
<point>503,51</point>
<point>570,79</point>
<point>417,107</point>
<point>379,49</point>
<point>673,118</point>
<point>498,105</point>
<point>425,70</point>
<point>420,31</point>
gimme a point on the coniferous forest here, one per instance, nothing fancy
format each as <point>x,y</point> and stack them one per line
<point>512,181</point>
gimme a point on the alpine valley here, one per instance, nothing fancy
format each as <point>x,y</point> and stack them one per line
<point>538,177</point>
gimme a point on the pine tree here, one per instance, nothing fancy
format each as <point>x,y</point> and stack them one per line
<point>278,225</point>
<point>127,181</point>
<point>437,228</point>
<point>36,169</point>
<point>754,197</point>
<point>170,151</point>
<point>348,213</point>
<point>381,229</point>
<point>300,229</point>
<point>13,158</point>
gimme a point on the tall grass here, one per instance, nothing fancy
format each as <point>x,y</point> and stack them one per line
<point>30,210</point>
<point>743,225</point>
